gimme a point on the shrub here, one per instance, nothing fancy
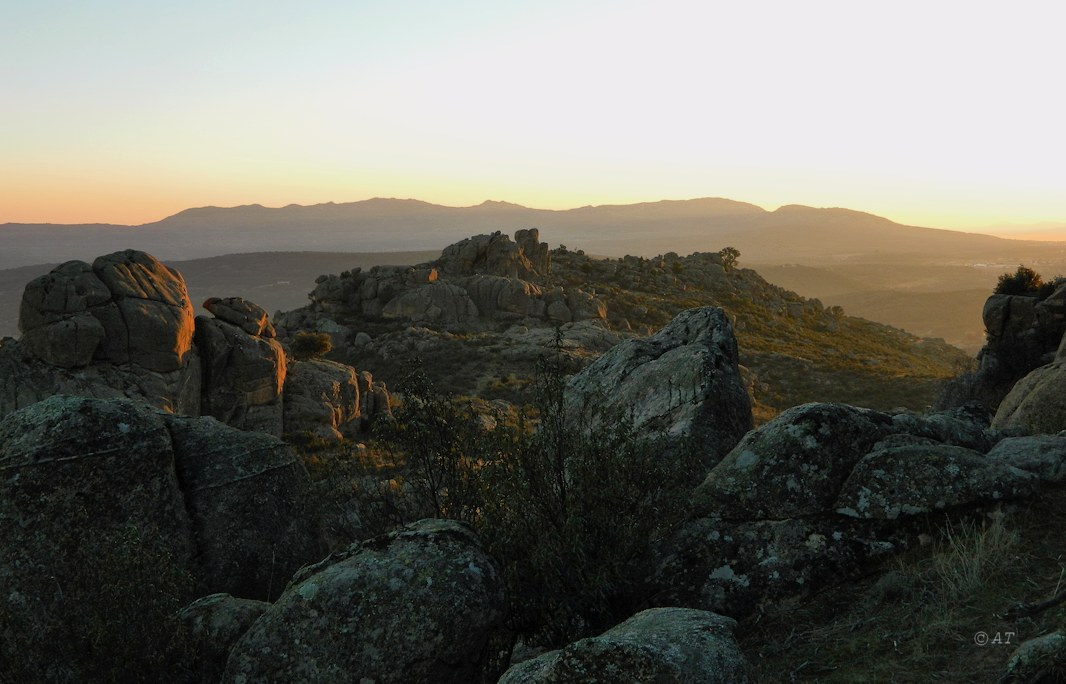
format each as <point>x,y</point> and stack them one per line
<point>311,345</point>
<point>570,515</point>
<point>729,257</point>
<point>1024,281</point>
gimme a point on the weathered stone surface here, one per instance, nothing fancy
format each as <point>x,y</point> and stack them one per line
<point>792,466</point>
<point>248,316</point>
<point>683,380</point>
<point>731,567</point>
<point>25,380</point>
<point>498,297</point>
<point>149,318</point>
<point>424,604</point>
<point>214,624</point>
<point>1042,659</point>
<point>437,302</point>
<point>243,376</point>
<point>656,645</point>
<point>912,480</point>
<point>965,426</point>
<point>1037,403</point>
<point>495,254</point>
<point>89,499</point>
<point>1043,455</point>
<point>125,308</point>
<point>321,399</point>
<point>68,343</point>
<point>69,288</point>
<point>243,491</point>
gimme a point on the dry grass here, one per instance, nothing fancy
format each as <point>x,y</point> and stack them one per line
<point>919,619</point>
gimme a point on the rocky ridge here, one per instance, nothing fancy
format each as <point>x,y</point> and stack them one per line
<point>124,327</point>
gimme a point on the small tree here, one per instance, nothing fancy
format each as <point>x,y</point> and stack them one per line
<point>729,257</point>
<point>1024,281</point>
<point>311,345</point>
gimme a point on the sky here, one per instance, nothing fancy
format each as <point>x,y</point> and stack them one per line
<point>936,113</point>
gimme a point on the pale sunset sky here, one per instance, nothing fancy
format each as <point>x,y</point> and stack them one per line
<point>937,113</point>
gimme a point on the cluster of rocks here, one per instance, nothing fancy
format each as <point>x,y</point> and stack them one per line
<point>116,486</point>
<point>1023,333</point>
<point>809,499</point>
<point>477,283</point>
<point>817,494</point>
<point>124,326</point>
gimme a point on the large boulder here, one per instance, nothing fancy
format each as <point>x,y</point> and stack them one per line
<point>792,466</point>
<point>1037,403</point>
<point>96,547</point>
<point>423,604</point>
<point>121,327</point>
<point>656,645</point>
<point>246,493</point>
<point>321,398</point>
<point>248,316</point>
<point>684,381</point>
<point>149,319</point>
<point>243,376</point>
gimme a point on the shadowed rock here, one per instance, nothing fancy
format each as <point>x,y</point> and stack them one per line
<point>423,604</point>
<point>656,645</point>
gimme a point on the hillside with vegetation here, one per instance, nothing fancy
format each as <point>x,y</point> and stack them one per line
<point>794,349</point>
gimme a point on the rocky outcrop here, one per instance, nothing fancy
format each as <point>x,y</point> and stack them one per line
<point>249,317</point>
<point>94,532</point>
<point>656,645</point>
<point>120,327</point>
<point>683,381</point>
<point>323,399</point>
<point>213,624</point>
<point>424,604</point>
<point>496,254</point>
<point>243,376</point>
<point>759,480</point>
<point>246,495</point>
<point>816,495</point>
<point>477,283</point>
<point>1023,334</point>
<point>123,327</point>
<point>114,513</point>
<point>1037,403</point>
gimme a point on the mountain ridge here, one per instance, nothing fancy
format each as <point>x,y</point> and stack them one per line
<point>788,234</point>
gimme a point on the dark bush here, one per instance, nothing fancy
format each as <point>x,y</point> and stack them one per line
<point>1024,281</point>
<point>311,345</point>
<point>570,515</point>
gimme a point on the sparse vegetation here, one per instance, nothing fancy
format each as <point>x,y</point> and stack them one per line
<point>920,618</point>
<point>311,345</point>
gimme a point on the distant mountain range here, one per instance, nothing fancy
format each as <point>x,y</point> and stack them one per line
<point>926,280</point>
<point>790,234</point>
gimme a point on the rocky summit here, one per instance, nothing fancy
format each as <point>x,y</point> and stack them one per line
<point>626,490</point>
